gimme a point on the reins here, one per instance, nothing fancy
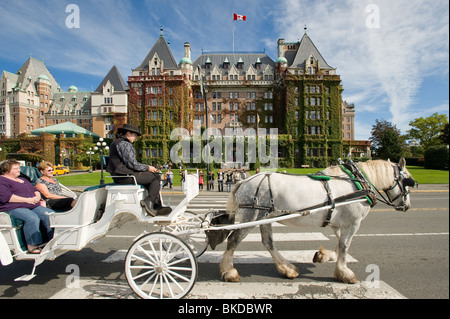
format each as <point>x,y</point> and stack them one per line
<point>364,192</point>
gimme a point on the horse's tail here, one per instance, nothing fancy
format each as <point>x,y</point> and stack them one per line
<point>232,206</point>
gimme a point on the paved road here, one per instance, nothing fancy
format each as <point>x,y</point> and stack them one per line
<point>408,250</point>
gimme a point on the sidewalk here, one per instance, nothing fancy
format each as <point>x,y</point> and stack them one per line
<point>430,188</point>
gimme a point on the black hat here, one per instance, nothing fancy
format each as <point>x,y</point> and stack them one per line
<point>130,128</point>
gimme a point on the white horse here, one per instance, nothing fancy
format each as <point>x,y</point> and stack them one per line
<point>272,194</point>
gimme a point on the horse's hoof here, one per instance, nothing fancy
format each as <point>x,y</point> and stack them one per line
<point>290,271</point>
<point>317,257</point>
<point>231,276</point>
<point>346,278</point>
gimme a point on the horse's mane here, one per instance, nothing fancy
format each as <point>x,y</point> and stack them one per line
<point>379,172</point>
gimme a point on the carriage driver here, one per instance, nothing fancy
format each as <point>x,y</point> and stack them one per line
<point>122,162</point>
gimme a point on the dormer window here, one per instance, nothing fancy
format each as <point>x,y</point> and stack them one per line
<point>258,64</point>
<point>240,64</point>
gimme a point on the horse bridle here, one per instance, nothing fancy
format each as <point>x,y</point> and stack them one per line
<point>401,181</point>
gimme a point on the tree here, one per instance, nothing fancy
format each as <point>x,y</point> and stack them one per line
<point>444,135</point>
<point>428,129</point>
<point>386,141</point>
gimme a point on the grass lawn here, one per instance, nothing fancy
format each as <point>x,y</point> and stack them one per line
<point>421,175</point>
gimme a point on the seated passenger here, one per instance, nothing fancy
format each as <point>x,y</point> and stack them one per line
<point>21,200</point>
<point>51,189</point>
<point>122,162</point>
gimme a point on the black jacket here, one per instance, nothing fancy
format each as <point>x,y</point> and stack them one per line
<point>122,158</point>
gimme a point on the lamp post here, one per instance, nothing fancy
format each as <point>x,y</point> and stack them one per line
<point>204,92</point>
<point>90,152</point>
<point>101,145</point>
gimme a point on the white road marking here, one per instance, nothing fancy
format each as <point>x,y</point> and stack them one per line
<point>109,289</point>
<point>241,257</point>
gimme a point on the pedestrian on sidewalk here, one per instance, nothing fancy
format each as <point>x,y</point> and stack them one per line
<point>220,176</point>
<point>211,180</point>
<point>182,178</point>
<point>229,181</point>
<point>200,180</point>
<point>169,179</point>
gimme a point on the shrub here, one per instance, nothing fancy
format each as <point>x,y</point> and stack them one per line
<point>436,157</point>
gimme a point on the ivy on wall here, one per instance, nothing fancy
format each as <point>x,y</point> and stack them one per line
<point>318,138</point>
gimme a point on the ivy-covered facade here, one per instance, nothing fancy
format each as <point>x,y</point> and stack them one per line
<point>299,94</point>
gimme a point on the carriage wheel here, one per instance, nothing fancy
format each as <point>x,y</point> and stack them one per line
<point>160,266</point>
<point>197,241</point>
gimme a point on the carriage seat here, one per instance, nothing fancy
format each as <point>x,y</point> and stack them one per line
<point>30,173</point>
<point>7,223</point>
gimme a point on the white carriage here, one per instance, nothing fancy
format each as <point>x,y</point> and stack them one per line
<point>158,264</point>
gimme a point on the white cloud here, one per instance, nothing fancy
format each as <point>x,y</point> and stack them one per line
<point>376,64</point>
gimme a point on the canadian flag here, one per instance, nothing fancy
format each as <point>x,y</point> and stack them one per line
<point>239,17</point>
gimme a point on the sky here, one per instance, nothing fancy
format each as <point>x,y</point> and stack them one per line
<point>392,55</point>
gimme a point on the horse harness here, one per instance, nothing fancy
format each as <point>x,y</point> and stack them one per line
<point>365,191</point>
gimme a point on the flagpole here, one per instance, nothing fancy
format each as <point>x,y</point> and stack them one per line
<point>233,37</point>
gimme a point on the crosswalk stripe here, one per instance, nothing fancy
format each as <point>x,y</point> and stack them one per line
<point>107,289</point>
<point>256,237</point>
<point>241,257</point>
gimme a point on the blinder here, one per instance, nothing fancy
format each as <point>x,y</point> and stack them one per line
<point>410,182</point>
<point>402,182</point>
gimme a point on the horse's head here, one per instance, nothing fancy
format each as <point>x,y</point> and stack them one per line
<point>398,193</point>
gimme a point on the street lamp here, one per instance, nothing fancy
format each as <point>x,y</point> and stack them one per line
<point>90,152</point>
<point>101,146</point>
<point>204,92</point>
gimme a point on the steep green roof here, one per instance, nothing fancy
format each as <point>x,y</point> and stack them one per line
<point>67,128</point>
